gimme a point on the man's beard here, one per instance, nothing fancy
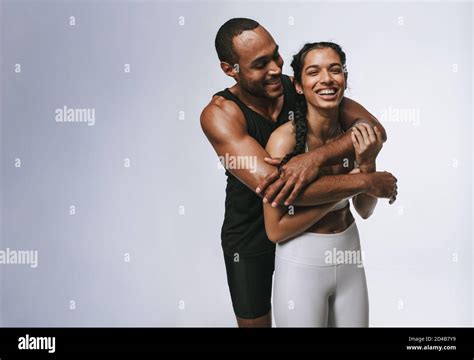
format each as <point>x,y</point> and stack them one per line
<point>257,90</point>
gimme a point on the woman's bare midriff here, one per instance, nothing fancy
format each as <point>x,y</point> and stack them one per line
<point>339,220</point>
<point>334,222</point>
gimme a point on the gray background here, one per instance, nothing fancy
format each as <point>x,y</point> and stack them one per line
<point>400,56</point>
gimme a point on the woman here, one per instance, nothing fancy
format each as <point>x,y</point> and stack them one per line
<point>312,285</point>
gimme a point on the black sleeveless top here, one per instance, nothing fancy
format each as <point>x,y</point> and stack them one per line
<point>243,230</point>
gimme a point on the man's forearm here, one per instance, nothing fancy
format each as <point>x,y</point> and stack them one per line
<point>332,188</point>
<point>334,152</point>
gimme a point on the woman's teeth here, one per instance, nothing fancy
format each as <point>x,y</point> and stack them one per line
<point>327,92</point>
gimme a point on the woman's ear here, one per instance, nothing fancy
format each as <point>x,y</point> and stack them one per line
<point>298,88</point>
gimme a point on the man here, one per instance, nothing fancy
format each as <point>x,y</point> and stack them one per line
<point>238,122</point>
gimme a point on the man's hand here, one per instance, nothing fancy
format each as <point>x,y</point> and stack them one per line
<point>294,176</point>
<point>382,185</point>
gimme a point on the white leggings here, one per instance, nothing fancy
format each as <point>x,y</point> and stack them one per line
<point>320,281</point>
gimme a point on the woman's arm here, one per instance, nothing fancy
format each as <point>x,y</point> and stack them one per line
<point>367,144</point>
<point>282,222</point>
<point>364,203</point>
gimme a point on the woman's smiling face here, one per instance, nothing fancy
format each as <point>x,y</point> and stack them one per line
<point>322,79</point>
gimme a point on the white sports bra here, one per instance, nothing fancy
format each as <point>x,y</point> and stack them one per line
<point>341,204</point>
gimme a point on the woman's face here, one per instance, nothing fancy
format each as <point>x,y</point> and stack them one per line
<point>322,79</point>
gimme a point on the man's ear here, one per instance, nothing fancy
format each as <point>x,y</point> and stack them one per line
<point>230,70</point>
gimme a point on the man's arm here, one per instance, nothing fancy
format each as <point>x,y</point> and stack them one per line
<point>225,127</point>
<point>303,169</point>
<point>367,144</point>
<point>280,224</point>
<point>351,112</point>
<point>226,130</point>
<point>331,187</point>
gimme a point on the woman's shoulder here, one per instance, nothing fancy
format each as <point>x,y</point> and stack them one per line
<point>282,140</point>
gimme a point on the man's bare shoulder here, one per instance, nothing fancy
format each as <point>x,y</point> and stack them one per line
<point>222,117</point>
<point>222,108</point>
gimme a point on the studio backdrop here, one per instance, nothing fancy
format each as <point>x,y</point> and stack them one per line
<point>112,199</point>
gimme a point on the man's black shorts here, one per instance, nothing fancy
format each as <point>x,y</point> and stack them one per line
<point>250,284</point>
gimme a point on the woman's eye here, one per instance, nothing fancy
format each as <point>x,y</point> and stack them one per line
<point>336,71</point>
<point>313,73</point>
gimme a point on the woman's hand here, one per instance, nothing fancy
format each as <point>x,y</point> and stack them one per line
<point>367,144</point>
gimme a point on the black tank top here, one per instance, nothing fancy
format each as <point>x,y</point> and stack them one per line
<point>243,230</point>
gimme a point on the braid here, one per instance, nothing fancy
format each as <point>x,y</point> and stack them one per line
<point>300,125</point>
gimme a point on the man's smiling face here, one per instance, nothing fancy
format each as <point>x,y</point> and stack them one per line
<point>260,63</point>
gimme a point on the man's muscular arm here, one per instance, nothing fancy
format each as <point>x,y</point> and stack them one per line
<point>351,112</point>
<point>225,127</point>
<point>226,130</point>
<point>303,169</point>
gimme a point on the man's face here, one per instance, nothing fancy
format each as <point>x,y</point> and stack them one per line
<point>259,63</point>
